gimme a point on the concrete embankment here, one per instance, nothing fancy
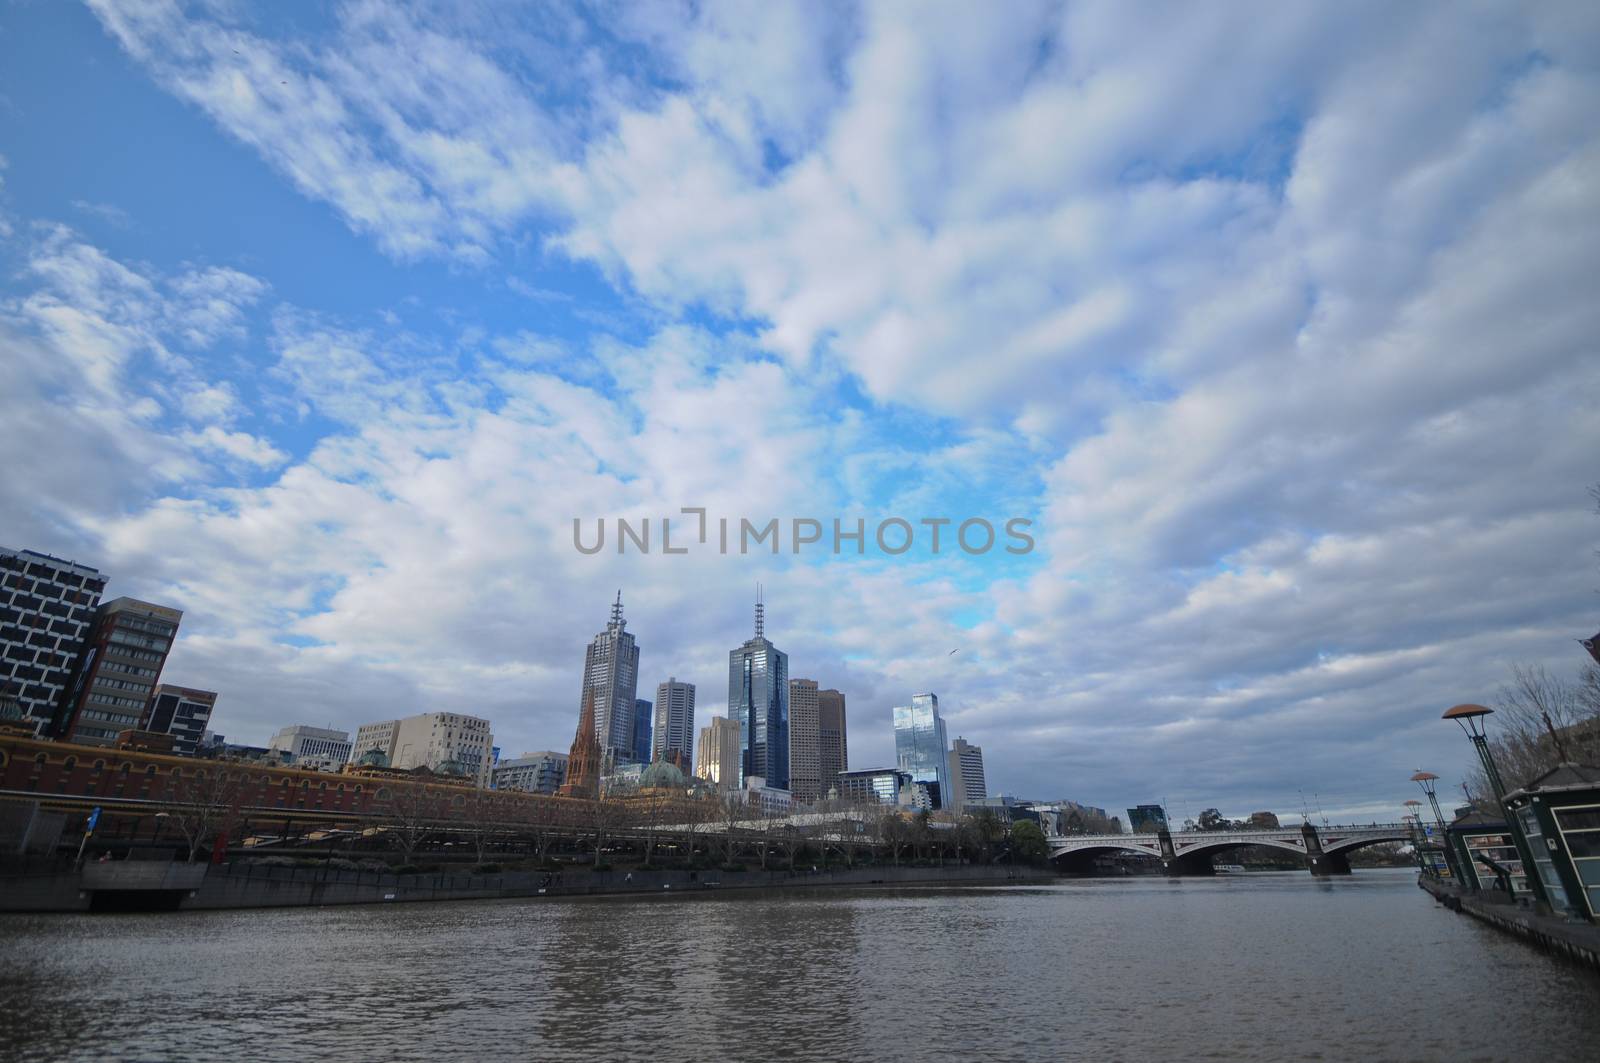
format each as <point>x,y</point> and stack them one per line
<point>127,885</point>
<point>1579,942</point>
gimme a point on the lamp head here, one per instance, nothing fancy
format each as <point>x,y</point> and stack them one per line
<point>1470,717</point>
<point>1426,780</point>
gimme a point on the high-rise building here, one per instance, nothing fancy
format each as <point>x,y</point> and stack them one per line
<point>674,726</point>
<point>966,775</point>
<point>446,742</point>
<point>833,746</point>
<point>805,742</point>
<point>47,609</point>
<point>120,668</point>
<point>583,762</point>
<point>321,748</point>
<point>1144,819</point>
<point>921,748</point>
<point>758,701</point>
<point>184,713</point>
<point>643,727</point>
<point>717,759</point>
<point>535,773</point>
<point>611,675</point>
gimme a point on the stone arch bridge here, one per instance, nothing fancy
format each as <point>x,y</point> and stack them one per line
<point>1325,851</point>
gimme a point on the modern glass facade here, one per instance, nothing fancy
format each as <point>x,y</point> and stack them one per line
<point>758,701</point>
<point>921,748</point>
<point>611,677</point>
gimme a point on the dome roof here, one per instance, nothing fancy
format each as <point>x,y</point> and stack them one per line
<point>663,773</point>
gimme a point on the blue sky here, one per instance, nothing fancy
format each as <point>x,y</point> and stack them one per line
<point>323,323</point>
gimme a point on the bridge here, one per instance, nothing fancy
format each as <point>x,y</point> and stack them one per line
<point>1325,851</point>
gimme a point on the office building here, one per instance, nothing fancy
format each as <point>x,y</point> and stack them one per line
<point>884,786</point>
<point>643,728</point>
<point>444,742</point>
<point>183,713</point>
<point>674,724</point>
<point>1145,819</point>
<point>966,775</point>
<point>833,746</point>
<point>611,677</point>
<point>543,772</point>
<point>317,748</point>
<point>119,670</point>
<point>805,749</point>
<point>47,610</point>
<point>717,759</point>
<point>921,748</point>
<point>764,800</point>
<point>758,702</point>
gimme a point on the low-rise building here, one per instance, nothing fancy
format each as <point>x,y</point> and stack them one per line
<point>443,742</point>
<point>884,786</point>
<point>542,772</point>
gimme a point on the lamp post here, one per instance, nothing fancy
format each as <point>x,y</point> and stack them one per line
<point>1413,816</point>
<point>1429,783</point>
<point>1471,718</point>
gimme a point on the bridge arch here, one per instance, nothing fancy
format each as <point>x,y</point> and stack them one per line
<point>1350,845</point>
<point>1211,848</point>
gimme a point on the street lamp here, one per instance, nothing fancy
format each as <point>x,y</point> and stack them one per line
<point>1429,783</point>
<point>1414,818</point>
<point>1471,719</point>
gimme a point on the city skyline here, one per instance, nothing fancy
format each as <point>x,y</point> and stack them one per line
<point>1292,377</point>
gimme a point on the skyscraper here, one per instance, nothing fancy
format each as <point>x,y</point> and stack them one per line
<point>833,746</point>
<point>611,677</point>
<point>717,760</point>
<point>758,701</point>
<point>805,752</point>
<point>47,608</point>
<point>920,746</point>
<point>674,726</point>
<point>966,775</point>
<point>643,719</point>
<point>121,665</point>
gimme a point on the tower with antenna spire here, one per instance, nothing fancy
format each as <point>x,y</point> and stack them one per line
<point>758,701</point>
<point>610,682</point>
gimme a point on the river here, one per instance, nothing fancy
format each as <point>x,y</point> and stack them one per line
<point>1241,967</point>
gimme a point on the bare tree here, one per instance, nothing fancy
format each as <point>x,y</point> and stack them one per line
<point>1541,719</point>
<point>733,812</point>
<point>205,804</point>
<point>411,813</point>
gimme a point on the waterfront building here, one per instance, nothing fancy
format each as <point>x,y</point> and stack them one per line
<point>643,728</point>
<point>119,670</point>
<point>535,773</point>
<point>1559,815</point>
<point>805,741</point>
<point>885,786</point>
<point>1147,819</point>
<point>1486,852</point>
<point>442,742</point>
<point>758,702</point>
<point>317,748</point>
<point>611,680</point>
<point>717,759</point>
<point>182,713</point>
<point>583,761</point>
<point>921,747</point>
<point>47,609</point>
<point>966,775</point>
<point>833,745</point>
<point>674,724</point>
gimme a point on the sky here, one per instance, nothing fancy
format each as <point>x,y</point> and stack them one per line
<point>324,323</point>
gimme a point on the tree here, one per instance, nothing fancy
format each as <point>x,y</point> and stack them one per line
<point>204,804</point>
<point>1211,819</point>
<point>1028,842</point>
<point>1521,741</point>
<point>988,831</point>
<point>411,812</point>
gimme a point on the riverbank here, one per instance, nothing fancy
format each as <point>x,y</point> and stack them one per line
<point>1579,942</point>
<point>162,886</point>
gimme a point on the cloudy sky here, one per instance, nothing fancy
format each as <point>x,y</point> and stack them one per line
<point>323,323</point>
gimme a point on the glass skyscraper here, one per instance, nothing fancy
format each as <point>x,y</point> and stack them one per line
<point>758,701</point>
<point>920,745</point>
<point>611,677</point>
